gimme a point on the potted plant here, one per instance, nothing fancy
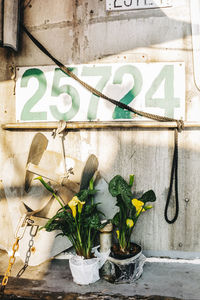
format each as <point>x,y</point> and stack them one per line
<point>79,220</point>
<point>130,209</point>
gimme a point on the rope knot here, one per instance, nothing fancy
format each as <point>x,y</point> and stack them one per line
<point>180,125</point>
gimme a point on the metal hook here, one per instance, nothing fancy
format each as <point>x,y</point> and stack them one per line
<point>22,223</point>
<point>34,230</point>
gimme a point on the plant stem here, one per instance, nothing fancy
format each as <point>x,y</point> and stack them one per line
<point>88,244</point>
<point>56,197</point>
<point>78,234</point>
<point>91,188</point>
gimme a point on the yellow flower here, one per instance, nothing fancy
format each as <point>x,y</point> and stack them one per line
<point>129,223</point>
<point>80,206</point>
<point>117,232</point>
<point>72,204</point>
<point>138,205</point>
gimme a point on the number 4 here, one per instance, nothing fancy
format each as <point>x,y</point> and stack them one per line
<point>169,102</point>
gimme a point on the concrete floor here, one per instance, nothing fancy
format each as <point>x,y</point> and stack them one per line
<point>161,279</point>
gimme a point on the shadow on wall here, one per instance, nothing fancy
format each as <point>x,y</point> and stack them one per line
<point>98,33</point>
<point>145,153</point>
<point>121,31</point>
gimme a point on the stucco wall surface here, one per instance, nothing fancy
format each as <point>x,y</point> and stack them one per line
<point>81,31</point>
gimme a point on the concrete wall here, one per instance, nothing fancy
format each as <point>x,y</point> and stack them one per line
<point>81,31</point>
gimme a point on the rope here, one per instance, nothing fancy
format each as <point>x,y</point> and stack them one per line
<point>180,123</point>
<point>174,174</point>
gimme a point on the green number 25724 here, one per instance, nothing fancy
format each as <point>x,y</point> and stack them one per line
<point>104,73</point>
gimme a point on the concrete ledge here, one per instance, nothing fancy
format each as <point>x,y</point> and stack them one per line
<point>52,280</point>
<point>173,254</point>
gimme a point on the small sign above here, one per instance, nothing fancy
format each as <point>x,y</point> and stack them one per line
<point>112,5</point>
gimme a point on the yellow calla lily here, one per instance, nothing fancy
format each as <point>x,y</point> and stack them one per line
<point>129,223</point>
<point>117,232</point>
<point>138,205</point>
<point>73,203</point>
<point>80,206</point>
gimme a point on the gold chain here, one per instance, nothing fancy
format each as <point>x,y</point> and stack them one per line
<point>10,263</point>
<point>23,222</point>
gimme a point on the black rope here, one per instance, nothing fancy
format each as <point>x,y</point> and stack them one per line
<point>174,175</point>
<point>180,124</point>
<point>95,91</point>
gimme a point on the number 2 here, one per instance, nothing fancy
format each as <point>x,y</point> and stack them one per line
<point>26,114</point>
<point>115,4</point>
<point>120,113</point>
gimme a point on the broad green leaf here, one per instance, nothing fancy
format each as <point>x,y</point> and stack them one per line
<point>149,196</point>
<point>118,186</point>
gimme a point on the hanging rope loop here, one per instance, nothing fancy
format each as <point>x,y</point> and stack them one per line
<point>174,176</point>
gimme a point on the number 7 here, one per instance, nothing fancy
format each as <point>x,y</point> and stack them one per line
<point>105,73</point>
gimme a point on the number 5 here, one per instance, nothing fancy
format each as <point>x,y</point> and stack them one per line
<point>68,89</point>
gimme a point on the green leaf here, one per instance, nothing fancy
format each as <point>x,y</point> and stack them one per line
<point>94,222</point>
<point>115,185</point>
<point>116,219</point>
<point>61,221</point>
<point>149,196</point>
<point>118,186</point>
<point>84,195</point>
<point>132,212</point>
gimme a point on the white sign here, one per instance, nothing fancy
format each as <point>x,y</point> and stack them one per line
<point>136,4</point>
<point>48,94</point>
